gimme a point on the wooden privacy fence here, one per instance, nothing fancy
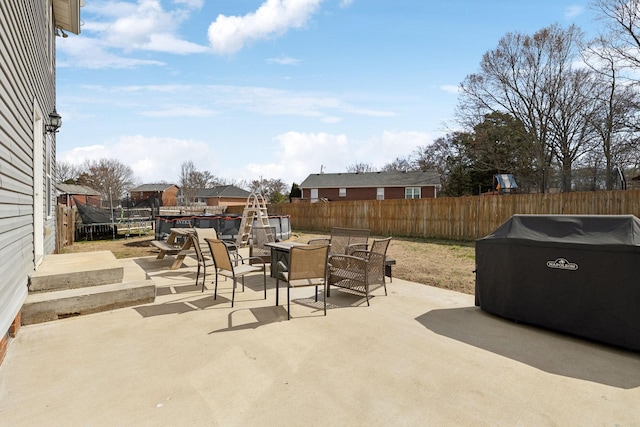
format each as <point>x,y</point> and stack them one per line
<point>457,218</point>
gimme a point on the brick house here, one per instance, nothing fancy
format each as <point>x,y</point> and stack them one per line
<point>166,193</point>
<point>70,194</point>
<point>223,195</point>
<point>370,186</point>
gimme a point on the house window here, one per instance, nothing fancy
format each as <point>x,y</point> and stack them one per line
<point>380,193</point>
<point>314,195</point>
<point>412,193</point>
<point>342,192</point>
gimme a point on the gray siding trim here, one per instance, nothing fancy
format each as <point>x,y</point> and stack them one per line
<point>27,78</point>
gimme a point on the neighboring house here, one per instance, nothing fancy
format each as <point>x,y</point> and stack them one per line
<point>27,144</point>
<point>224,195</point>
<point>70,194</point>
<point>166,193</point>
<point>370,186</point>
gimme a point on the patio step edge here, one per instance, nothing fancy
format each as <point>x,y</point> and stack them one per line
<point>76,270</point>
<point>49,306</point>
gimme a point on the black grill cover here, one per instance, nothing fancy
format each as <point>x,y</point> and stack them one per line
<point>578,274</point>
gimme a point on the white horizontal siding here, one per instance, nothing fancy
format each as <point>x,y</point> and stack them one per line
<point>27,78</point>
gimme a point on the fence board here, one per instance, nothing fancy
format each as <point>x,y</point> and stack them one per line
<point>457,218</point>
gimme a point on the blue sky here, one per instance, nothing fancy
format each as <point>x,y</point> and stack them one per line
<point>275,88</point>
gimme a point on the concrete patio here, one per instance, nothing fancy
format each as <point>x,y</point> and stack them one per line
<point>419,356</point>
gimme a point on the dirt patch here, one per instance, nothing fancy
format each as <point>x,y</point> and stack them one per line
<point>131,247</point>
<point>442,264</point>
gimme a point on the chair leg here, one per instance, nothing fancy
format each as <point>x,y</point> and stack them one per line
<point>264,280</point>
<point>288,303</point>
<point>215,289</point>
<point>277,289</point>
<point>366,293</point>
<point>204,276</point>
<point>316,294</point>
<point>233,293</point>
<point>324,294</point>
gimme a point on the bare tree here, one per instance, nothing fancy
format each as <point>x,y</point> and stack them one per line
<point>571,135</point>
<point>192,180</point>
<point>523,76</point>
<point>399,164</point>
<point>622,20</point>
<point>616,119</point>
<point>270,188</point>
<point>110,177</point>
<point>187,185</point>
<point>360,167</point>
<point>66,172</point>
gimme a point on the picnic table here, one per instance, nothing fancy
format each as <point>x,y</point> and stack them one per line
<point>178,243</point>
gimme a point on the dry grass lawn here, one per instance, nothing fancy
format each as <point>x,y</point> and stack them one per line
<point>447,265</point>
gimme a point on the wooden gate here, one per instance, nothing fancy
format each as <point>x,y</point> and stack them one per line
<point>65,227</point>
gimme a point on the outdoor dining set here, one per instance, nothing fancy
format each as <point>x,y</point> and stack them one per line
<point>347,259</point>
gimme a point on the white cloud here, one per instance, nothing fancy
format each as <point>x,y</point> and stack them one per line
<point>152,159</point>
<point>181,111</point>
<point>229,34</point>
<point>195,4</point>
<point>573,11</point>
<point>345,3</point>
<point>300,154</point>
<point>450,88</point>
<point>147,26</point>
<point>283,60</point>
<point>326,108</point>
<point>296,155</point>
<point>86,52</point>
<point>112,28</point>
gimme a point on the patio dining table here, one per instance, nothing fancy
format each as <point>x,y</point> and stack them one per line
<point>280,251</point>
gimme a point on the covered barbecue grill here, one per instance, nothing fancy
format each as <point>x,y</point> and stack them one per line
<point>578,274</point>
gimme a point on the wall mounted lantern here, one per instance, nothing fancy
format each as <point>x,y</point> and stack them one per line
<point>55,121</point>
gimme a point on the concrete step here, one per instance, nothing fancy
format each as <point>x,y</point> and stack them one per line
<point>47,306</point>
<point>71,271</point>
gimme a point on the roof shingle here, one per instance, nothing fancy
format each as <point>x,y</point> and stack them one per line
<point>372,179</point>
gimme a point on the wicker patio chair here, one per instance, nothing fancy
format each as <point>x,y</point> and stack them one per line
<point>224,267</point>
<point>361,271</point>
<point>307,267</point>
<point>344,240</point>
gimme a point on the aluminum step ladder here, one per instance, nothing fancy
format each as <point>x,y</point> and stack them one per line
<point>254,210</point>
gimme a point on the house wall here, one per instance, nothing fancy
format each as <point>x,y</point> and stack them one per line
<point>225,201</point>
<point>169,197</point>
<point>71,200</point>
<point>27,96</point>
<point>369,193</point>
